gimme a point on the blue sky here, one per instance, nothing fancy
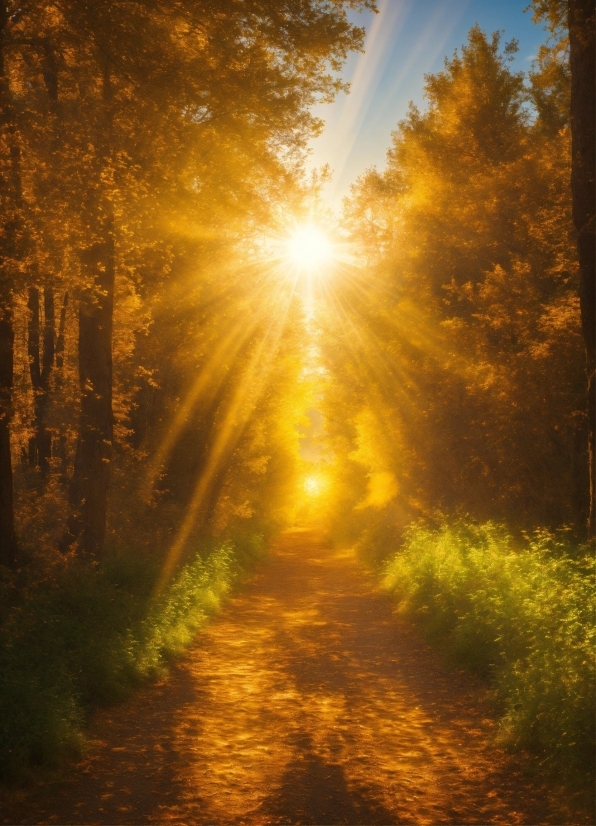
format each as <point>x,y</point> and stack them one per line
<point>405,41</point>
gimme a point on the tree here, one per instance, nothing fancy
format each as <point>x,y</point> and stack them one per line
<point>582,49</point>
<point>148,107</point>
<point>469,323</point>
<point>11,250</point>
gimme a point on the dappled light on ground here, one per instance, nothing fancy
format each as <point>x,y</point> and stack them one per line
<point>305,702</point>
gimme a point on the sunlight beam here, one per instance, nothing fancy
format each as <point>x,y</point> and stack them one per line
<point>237,416</point>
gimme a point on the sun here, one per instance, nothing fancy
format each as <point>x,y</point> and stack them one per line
<point>312,486</point>
<point>308,248</point>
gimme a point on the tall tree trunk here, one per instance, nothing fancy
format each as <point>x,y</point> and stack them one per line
<point>40,368</point>
<point>10,243</point>
<point>61,333</point>
<point>583,137</point>
<point>44,435</point>
<point>91,476</point>
<point>8,543</point>
<point>61,451</point>
<point>34,367</point>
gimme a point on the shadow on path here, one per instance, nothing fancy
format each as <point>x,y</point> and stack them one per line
<point>316,792</point>
<point>305,701</point>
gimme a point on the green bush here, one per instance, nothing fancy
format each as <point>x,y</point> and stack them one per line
<point>524,617</point>
<point>87,636</point>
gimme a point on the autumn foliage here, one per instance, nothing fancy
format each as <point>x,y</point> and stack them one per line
<point>159,357</point>
<point>467,306</point>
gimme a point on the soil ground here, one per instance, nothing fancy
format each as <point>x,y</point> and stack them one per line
<point>306,701</point>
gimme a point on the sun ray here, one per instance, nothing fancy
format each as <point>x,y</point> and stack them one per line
<point>237,415</point>
<point>268,297</point>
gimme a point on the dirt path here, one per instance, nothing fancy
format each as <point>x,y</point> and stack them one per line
<point>305,702</point>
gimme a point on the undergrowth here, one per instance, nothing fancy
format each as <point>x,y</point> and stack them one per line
<point>86,636</point>
<point>523,617</point>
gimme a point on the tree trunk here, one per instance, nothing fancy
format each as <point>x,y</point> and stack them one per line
<point>8,544</point>
<point>34,367</point>
<point>61,334</point>
<point>61,452</point>
<point>10,247</point>
<point>91,477</point>
<point>582,62</point>
<point>40,368</point>
<point>44,436</point>
<point>88,495</point>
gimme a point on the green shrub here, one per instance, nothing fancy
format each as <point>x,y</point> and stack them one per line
<point>90,634</point>
<point>524,617</point>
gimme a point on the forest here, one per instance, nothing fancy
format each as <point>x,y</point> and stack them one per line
<point>196,354</point>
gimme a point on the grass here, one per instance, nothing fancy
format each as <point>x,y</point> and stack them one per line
<point>523,617</point>
<point>87,636</point>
